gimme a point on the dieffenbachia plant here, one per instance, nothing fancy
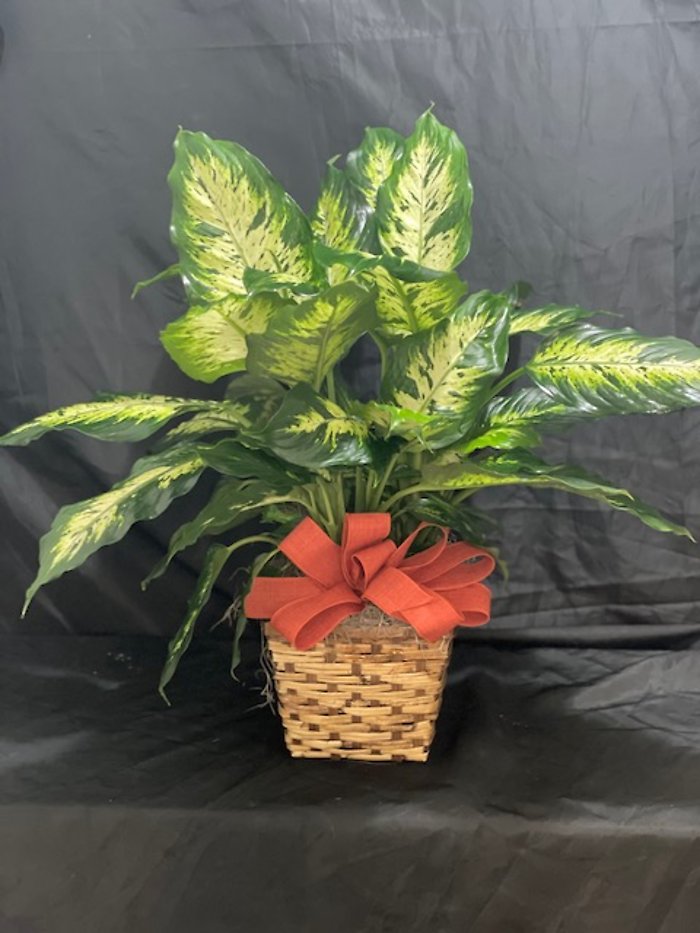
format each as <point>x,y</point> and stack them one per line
<point>276,301</point>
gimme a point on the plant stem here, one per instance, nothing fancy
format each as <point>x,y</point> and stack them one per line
<point>506,381</point>
<point>402,493</point>
<point>359,491</point>
<point>376,499</point>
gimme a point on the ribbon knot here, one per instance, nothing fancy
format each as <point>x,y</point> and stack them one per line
<point>433,590</point>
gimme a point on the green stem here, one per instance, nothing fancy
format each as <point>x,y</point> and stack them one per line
<point>358,503</point>
<point>506,381</point>
<point>330,516</point>
<point>386,476</point>
<point>252,539</point>
<point>402,493</point>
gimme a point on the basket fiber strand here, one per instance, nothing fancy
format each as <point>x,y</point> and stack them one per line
<point>371,691</point>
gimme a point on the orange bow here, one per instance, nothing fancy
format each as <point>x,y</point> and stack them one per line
<point>433,590</point>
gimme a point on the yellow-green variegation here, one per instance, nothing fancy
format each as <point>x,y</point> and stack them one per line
<point>114,418</point>
<point>209,341</point>
<point>405,308</point>
<point>230,214</point>
<point>424,205</point>
<point>372,162</point>
<point>341,214</point>
<point>600,371</point>
<point>303,342</point>
<point>446,372</point>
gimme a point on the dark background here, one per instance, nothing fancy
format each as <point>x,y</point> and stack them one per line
<point>583,128</point>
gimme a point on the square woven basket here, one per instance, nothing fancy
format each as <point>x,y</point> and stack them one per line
<point>371,691</point>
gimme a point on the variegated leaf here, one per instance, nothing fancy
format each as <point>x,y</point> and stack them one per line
<point>405,308</point>
<point>303,342</point>
<point>84,527</point>
<point>230,214</point>
<point>201,425</point>
<point>259,396</point>
<point>110,418</point>
<point>257,281</point>
<point>313,432</point>
<point>209,341</point>
<point>341,213</point>
<point>548,319</point>
<point>446,371</point>
<point>599,371</point>
<point>214,561</point>
<point>512,421</point>
<point>370,165</point>
<point>424,205</point>
<point>525,469</point>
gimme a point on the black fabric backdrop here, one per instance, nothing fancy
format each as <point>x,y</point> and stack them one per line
<point>563,793</point>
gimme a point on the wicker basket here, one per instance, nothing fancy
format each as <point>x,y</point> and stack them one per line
<point>370,691</point>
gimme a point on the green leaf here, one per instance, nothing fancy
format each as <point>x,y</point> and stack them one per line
<point>161,276</point>
<point>303,342</point>
<point>548,319</point>
<point>313,432</point>
<point>231,504</point>
<point>446,371</point>
<point>341,213</point>
<point>209,341</point>
<point>230,214</point>
<point>214,561</point>
<point>604,372</point>
<point>424,205</point>
<point>231,458</point>
<point>256,281</point>
<point>370,165</point>
<point>201,425</point>
<point>525,469</point>
<point>83,528</point>
<point>469,523</point>
<point>405,308</point>
<point>110,418</point>
<point>260,396</point>
<point>515,420</point>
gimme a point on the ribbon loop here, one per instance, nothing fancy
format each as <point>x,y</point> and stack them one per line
<point>433,591</point>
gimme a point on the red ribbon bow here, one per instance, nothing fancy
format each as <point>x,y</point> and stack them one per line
<point>433,591</point>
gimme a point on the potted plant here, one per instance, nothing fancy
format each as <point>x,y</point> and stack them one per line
<point>370,550</point>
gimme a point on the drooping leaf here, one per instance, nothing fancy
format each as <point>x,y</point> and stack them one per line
<point>110,418</point>
<point>304,341</point>
<point>230,214</point>
<point>371,163</point>
<point>231,504</point>
<point>341,213</point>
<point>84,527</point>
<point>547,319</point>
<point>445,372</point>
<point>161,276</point>
<point>600,371</point>
<point>423,207</point>
<point>209,341</point>
<point>214,561</point>
<point>405,308</point>
<point>525,469</point>
<point>313,432</point>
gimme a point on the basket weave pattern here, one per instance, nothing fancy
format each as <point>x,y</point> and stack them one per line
<point>370,691</point>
